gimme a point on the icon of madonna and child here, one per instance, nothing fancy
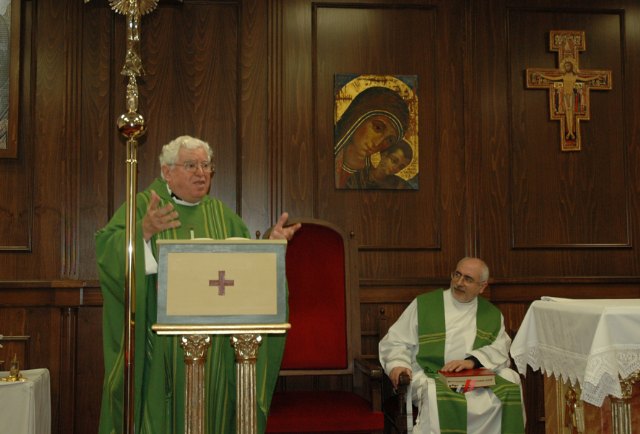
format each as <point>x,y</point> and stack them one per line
<point>376,132</point>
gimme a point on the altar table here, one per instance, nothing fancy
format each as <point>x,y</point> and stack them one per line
<point>593,344</point>
<point>25,406</point>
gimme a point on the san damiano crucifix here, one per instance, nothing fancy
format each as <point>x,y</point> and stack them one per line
<point>568,85</point>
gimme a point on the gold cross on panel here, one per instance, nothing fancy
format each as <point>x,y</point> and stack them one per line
<point>568,85</point>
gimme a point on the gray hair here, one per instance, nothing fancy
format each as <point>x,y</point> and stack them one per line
<point>484,268</point>
<point>169,154</point>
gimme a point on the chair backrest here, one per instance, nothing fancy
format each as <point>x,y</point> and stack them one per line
<point>322,307</point>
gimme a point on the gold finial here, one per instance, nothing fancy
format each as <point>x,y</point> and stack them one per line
<point>126,7</point>
<point>14,371</point>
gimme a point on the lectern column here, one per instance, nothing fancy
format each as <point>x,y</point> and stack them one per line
<point>195,356</point>
<point>246,349</point>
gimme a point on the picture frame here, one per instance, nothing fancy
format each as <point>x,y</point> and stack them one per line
<point>375,143</point>
<point>10,31</point>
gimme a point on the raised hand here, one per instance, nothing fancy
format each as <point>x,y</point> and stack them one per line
<point>280,232</point>
<point>158,218</point>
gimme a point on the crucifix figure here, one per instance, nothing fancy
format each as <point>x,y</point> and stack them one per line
<point>568,85</point>
<point>221,283</point>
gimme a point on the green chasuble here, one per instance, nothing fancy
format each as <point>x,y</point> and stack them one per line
<point>159,360</point>
<point>452,406</point>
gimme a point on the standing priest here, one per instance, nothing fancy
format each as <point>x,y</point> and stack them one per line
<point>176,206</point>
<point>452,330</point>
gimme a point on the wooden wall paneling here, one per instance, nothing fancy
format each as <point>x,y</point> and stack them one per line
<point>274,103</point>
<point>16,175</point>
<point>63,322</point>
<point>45,323</point>
<point>97,128</point>
<point>190,55</point>
<point>14,348</point>
<point>343,45</point>
<point>632,120</point>
<point>580,191</point>
<point>68,369</point>
<point>12,323</point>
<point>40,326</point>
<point>253,153</point>
<point>46,213</point>
<point>89,369</point>
<point>292,134</point>
<point>50,140</point>
<point>485,110</point>
<point>71,144</point>
<point>545,212</point>
<point>255,166</point>
<point>399,233</point>
<point>518,290</point>
<point>15,343</point>
<point>371,316</point>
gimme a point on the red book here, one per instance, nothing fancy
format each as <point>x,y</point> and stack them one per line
<point>469,378</point>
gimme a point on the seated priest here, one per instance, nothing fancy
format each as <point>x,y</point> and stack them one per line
<point>452,330</point>
<point>175,206</point>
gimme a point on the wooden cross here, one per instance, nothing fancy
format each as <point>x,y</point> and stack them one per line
<point>568,85</point>
<point>221,283</point>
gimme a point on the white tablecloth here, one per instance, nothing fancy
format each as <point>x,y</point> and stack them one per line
<point>590,342</point>
<point>25,406</point>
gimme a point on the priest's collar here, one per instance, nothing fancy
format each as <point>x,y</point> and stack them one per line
<point>179,201</point>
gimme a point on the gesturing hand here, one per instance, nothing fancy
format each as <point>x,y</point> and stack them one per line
<point>158,219</point>
<point>279,232</point>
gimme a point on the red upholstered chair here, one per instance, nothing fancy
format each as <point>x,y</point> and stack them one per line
<point>323,386</point>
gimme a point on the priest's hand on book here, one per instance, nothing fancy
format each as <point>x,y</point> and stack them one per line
<point>458,365</point>
<point>468,379</point>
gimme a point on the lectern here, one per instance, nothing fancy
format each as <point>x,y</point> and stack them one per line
<point>235,287</point>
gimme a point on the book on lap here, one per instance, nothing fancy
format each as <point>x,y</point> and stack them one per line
<point>480,377</point>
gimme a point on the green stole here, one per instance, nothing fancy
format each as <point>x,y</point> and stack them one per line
<point>452,406</point>
<point>159,360</point>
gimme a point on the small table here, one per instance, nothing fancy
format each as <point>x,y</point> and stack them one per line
<point>25,406</point>
<point>594,343</point>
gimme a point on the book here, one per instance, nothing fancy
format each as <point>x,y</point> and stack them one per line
<point>469,378</point>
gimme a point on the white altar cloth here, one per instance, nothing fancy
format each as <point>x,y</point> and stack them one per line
<point>591,342</point>
<point>25,406</point>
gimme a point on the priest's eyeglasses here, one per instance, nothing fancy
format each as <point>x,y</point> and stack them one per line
<point>192,166</point>
<point>456,275</point>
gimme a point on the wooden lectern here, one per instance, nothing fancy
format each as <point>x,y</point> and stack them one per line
<point>235,287</point>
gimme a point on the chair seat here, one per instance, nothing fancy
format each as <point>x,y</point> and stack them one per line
<point>330,411</point>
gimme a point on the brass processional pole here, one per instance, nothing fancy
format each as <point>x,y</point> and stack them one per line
<point>132,126</point>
